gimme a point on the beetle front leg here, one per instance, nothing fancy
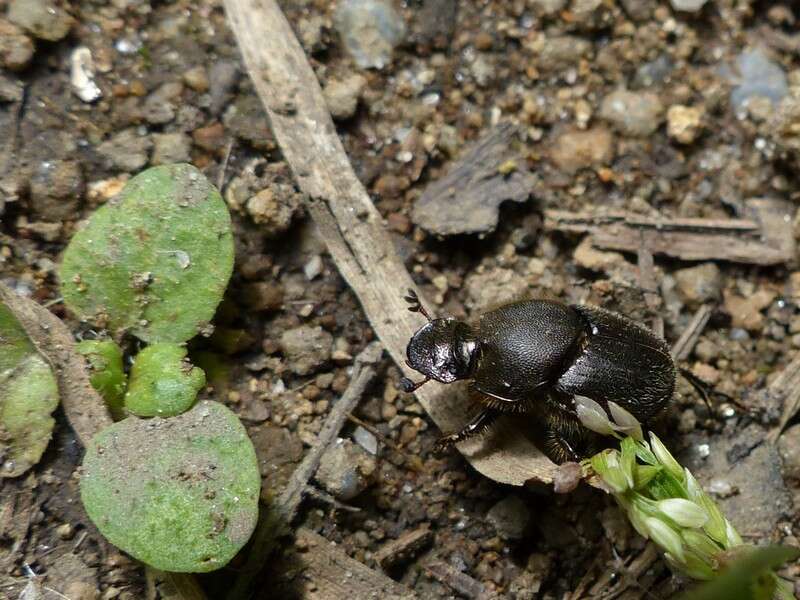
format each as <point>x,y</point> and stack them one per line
<point>477,425</point>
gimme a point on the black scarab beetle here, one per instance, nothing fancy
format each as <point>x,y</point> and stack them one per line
<point>535,356</point>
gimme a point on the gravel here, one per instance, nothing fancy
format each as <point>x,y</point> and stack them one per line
<point>306,348</point>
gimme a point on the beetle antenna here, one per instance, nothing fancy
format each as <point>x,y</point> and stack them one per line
<point>414,304</point>
<point>409,386</point>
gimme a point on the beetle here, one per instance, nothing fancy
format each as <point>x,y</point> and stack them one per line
<point>535,357</point>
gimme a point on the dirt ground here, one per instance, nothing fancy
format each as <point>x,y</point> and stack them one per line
<point>623,105</point>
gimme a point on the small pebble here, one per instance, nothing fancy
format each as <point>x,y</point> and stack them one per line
<point>197,79</point>
<point>313,267</point>
<point>370,29</point>
<point>637,114</point>
<point>510,517</point>
<point>127,150</point>
<point>789,449</point>
<point>16,48</point>
<point>306,348</point>
<point>364,438</point>
<point>82,75</point>
<point>170,148</point>
<point>44,19</point>
<point>684,123</point>
<point>688,5</point>
<point>575,150</point>
<point>756,75</point>
<point>345,470</point>
<point>342,96</point>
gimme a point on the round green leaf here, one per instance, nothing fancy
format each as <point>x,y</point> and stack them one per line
<point>28,396</point>
<point>155,260</point>
<point>107,374</point>
<point>163,382</point>
<point>179,494</point>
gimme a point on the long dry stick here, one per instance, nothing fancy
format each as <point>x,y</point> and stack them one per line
<point>350,224</point>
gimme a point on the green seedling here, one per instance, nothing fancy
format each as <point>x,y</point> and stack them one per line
<point>665,503</point>
<point>179,494</point>
<point>163,382</point>
<point>28,397</point>
<point>107,374</point>
<point>154,261</point>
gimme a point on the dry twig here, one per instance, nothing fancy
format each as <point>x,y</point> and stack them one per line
<point>350,224</point>
<point>764,239</point>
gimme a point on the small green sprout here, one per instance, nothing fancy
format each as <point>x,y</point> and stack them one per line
<point>107,374</point>
<point>163,382</point>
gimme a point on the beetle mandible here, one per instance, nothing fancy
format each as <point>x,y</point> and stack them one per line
<point>535,356</point>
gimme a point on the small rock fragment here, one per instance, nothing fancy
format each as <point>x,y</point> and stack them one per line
<point>494,286</point>
<point>756,75</point>
<point>313,267</point>
<point>263,295</point>
<point>639,10</point>
<point>306,348</point>
<point>746,312</point>
<point>366,440</point>
<point>637,114</point>
<point>222,77</point>
<point>700,284</point>
<point>273,208</point>
<point>11,89</point>
<point>197,79</point>
<point>370,29</point>
<point>246,119</point>
<point>82,75</point>
<point>510,517</point>
<point>159,107</point>
<point>688,5</point>
<point>80,590</point>
<point>56,190</point>
<point>589,257</point>
<point>435,22</point>
<point>684,123</point>
<point>548,7</point>
<point>576,149</point>
<point>210,138</point>
<point>558,53</point>
<point>345,470</point>
<point>169,148</point>
<point>342,96</point>
<point>127,151</point>
<point>16,48</point>
<point>789,449</point>
<point>44,19</point>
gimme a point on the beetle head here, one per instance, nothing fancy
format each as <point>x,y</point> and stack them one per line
<point>442,350</point>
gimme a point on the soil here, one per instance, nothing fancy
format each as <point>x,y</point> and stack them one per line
<point>679,143</point>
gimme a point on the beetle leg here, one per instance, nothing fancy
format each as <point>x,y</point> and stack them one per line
<point>478,424</point>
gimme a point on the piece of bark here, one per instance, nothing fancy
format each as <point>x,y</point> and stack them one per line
<point>468,198</point>
<point>85,409</point>
<point>765,238</point>
<point>456,580</point>
<point>352,227</point>
<point>326,572</point>
<point>408,545</point>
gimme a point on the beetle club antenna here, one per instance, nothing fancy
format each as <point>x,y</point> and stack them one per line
<point>409,386</point>
<point>414,305</point>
